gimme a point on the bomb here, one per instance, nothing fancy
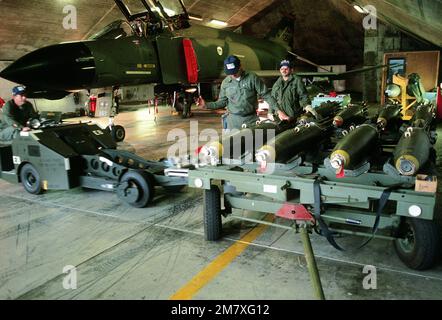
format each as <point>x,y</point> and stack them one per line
<point>325,111</point>
<point>389,114</point>
<point>412,151</point>
<point>290,143</point>
<point>235,145</point>
<point>423,116</point>
<point>354,148</point>
<point>353,114</point>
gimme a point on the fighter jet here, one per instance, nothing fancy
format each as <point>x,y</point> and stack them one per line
<point>156,44</point>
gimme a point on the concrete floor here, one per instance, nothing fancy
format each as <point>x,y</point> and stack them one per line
<point>125,253</point>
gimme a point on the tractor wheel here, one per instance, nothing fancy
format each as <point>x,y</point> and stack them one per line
<point>212,214</point>
<point>31,180</point>
<point>136,188</point>
<point>118,133</point>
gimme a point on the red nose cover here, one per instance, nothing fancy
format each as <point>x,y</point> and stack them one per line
<point>191,61</point>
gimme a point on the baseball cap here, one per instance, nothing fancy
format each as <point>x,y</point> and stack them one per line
<point>285,63</point>
<point>18,90</point>
<point>231,65</point>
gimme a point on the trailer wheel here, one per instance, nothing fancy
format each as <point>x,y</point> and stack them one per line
<point>212,214</point>
<point>31,180</point>
<point>136,188</point>
<point>118,133</point>
<point>419,247</point>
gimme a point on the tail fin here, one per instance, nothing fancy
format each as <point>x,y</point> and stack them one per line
<point>283,32</point>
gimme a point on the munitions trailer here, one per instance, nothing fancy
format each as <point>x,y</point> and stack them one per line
<point>373,204</point>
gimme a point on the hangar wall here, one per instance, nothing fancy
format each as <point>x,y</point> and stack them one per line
<point>5,85</point>
<point>331,32</point>
<point>337,40</point>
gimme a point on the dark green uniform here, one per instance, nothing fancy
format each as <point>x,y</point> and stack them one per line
<point>241,99</point>
<point>291,96</point>
<point>14,118</point>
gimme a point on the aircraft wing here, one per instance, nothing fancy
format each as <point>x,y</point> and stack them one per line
<point>267,73</point>
<point>330,75</point>
<point>342,75</point>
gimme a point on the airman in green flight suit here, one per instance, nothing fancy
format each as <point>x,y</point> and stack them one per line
<point>290,94</point>
<point>239,93</point>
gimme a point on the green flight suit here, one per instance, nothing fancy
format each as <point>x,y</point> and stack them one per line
<point>291,96</point>
<point>14,118</point>
<point>241,99</point>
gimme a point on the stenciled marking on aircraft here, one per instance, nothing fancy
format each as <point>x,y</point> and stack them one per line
<point>138,72</point>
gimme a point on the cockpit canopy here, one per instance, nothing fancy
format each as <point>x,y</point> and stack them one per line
<point>165,10</point>
<point>169,8</point>
<point>115,30</point>
<point>146,18</point>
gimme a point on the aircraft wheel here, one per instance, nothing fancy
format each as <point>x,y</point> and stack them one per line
<point>118,133</point>
<point>31,179</point>
<point>419,246</point>
<point>212,214</point>
<point>137,188</point>
<point>187,106</point>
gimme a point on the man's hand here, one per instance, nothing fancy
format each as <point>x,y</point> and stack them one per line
<point>282,116</point>
<point>200,102</point>
<point>26,129</point>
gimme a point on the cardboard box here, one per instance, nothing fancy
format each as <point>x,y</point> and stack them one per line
<point>425,183</point>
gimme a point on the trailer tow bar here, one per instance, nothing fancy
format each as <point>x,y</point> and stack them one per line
<point>304,223</point>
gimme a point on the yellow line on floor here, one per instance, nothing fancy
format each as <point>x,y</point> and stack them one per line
<point>222,261</point>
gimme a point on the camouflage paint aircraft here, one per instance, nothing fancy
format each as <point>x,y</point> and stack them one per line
<point>155,45</point>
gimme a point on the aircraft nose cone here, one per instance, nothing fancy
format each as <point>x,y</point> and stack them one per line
<point>66,66</point>
<point>5,74</point>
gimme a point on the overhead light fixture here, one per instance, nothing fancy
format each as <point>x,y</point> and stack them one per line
<point>218,23</point>
<point>195,17</point>
<point>359,8</point>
